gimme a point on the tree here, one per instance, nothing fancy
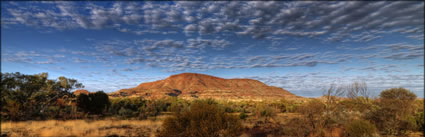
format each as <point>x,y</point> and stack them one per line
<point>33,93</point>
<point>313,111</point>
<point>100,102</point>
<point>399,100</point>
<point>95,103</point>
<point>331,95</point>
<point>394,116</point>
<point>358,89</point>
<point>83,102</point>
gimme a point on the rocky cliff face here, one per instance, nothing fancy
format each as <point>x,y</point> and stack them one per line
<point>192,85</point>
<point>80,91</point>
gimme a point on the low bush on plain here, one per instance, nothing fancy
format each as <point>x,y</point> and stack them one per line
<point>204,118</point>
<point>360,128</point>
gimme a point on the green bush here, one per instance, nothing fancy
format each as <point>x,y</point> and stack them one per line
<point>204,118</point>
<point>297,127</point>
<point>95,103</point>
<point>243,115</point>
<point>360,128</point>
<point>177,105</point>
<point>312,112</point>
<point>126,113</point>
<point>228,107</point>
<point>128,107</point>
<point>355,104</point>
<point>408,124</point>
<point>420,121</point>
<point>394,115</point>
<point>265,111</point>
<point>284,105</point>
<point>53,112</point>
<point>154,107</point>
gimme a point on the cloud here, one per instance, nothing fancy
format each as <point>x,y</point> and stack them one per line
<point>190,28</point>
<point>336,21</point>
<point>202,36</point>
<point>79,60</point>
<point>31,57</point>
<point>388,68</point>
<point>200,43</point>
<point>405,56</point>
<point>131,69</point>
<point>312,84</point>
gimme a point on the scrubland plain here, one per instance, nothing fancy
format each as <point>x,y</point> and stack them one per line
<point>33,105</point>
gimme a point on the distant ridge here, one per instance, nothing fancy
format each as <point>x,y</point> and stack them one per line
<point>193,85</point>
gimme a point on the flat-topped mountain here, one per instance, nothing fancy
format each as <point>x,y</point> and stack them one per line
<point>193,85</point>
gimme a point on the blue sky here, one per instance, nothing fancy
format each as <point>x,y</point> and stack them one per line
<point>301,46</point>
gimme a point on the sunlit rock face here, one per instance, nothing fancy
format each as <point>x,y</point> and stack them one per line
<point>80,91</point>
<point>193,85</point>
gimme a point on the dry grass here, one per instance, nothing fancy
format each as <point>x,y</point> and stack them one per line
<point>146,128</point>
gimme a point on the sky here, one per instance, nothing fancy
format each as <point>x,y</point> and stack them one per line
<point>301,46</point>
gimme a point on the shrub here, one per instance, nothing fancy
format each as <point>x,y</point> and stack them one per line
<point>420,121</point>
<point>360,128</point>
<point>128,107</point>
<point>12,110</point>
<point>154,107</point>
<point>83,102</point>
<point>228,107</point>
<point>177,105</point>
<point>100,102</point>
<point>313,113</point>
<point>265,111</point>
<point>126,113</point>
<point>394,116</point>
<point>408,124</point>
<point>204,118</point>
<point>243,115</point>
<point>53,112</point>
<point>94,102</point>
<point>297,127</point>
<point>355,104</point>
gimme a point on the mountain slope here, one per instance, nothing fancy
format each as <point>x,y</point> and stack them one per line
<point>192,85</point>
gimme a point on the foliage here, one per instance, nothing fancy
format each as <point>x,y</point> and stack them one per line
<point>358,89</point>
<point>419,118</point>
<point>29,96</point>
<point>398,93</point>
<point>243,115</point>
<point>95,103</point>
<point>265,111</point>
<point>297,127</point>
<point>355,104</point>
<point>127,107</point>
<point>205,118</point>
<point>313,113</point>
<point>154,107</point>
<point>393,117</point>
<point>289,106</point>
<point>177,105</point>
<point>360,128</point>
